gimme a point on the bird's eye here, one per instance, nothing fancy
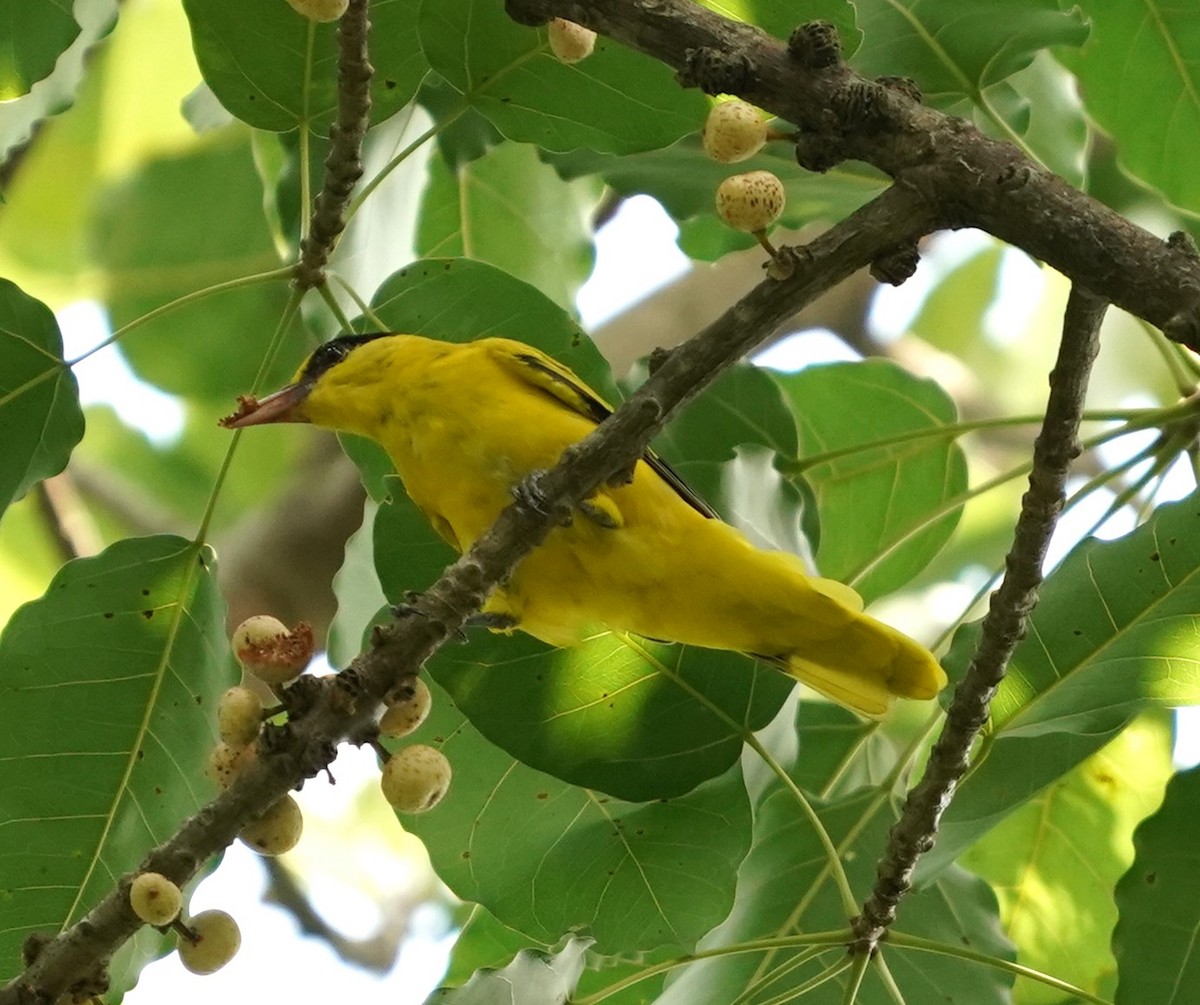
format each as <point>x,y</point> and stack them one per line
<point>334,351</point>
<point>326,356</point>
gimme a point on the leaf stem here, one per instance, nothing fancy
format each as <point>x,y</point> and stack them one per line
<point>364,308</point>
<point>858,970</point>
<point>1150,417</point>
<point>284,272</point>
<point>400,158</point>
<point>334,307</point>
<point>285,320</point>
<point>305,137</point>
<point>1134,418</point>
<point>833,857</point>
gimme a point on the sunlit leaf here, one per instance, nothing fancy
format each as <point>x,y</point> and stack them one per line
<point>728,443</point>
<point>952,50</point>
<point>56,90</point>
<point>483,943</point>
<point>459,300</point>
<point>635,719</point>
<point>531,978</point>
<point>1155,939</point>
<point>780,17</point>
<point>683,178</point>
<point>1054,862</point>
<point>356,587</point>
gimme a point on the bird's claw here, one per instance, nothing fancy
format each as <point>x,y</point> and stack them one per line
<point>410,607</point>
<point>492,621</point>
<point>528,492</point>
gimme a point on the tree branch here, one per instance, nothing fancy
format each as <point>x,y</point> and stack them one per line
<point>1056,446</point>
<point>974,181</point>
<point>377,952</point>
<point>339,707</point>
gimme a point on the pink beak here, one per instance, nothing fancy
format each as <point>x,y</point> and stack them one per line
<point>277,407</point>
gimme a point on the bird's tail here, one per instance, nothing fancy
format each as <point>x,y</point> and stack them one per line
<point>869,664</point>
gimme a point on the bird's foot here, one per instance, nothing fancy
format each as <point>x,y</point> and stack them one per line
<point>528,492</point>
<point>410,608</point>
<point>493,621</point>
<point>608,517</point>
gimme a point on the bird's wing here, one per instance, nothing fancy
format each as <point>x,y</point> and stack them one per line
<point>546,374</point>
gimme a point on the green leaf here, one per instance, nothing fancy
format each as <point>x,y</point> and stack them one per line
<point>953,317</point>
<point>39,400</point>
<point>878,506</point>
<point>616,100</point>
<point>954,50</point>
<point>1138,73</point>
<point>213,348</point>
<point>532,978</point>
<point>547,858</point>
<point>166,487</point>
<point>985,62</point>
<point>108,684</point>
<point>1155,939</point>
<point>35,34</point>
<point>276,70</point>
<point>1054,862</point>
<point>782,890</point>
<point>1113,634</point>
<point>509,209</point>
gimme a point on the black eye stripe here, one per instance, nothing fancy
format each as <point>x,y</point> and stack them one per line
<point>330,353</point>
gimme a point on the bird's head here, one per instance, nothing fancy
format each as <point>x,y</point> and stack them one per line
<point>331,388</point>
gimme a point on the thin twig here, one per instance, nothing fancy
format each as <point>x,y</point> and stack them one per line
<point>343,165</point>
<point>378,952</point>
<point>1003,627</point>
<point>66,517</point>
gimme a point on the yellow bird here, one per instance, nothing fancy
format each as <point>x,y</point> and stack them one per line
<point>465,422</point>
